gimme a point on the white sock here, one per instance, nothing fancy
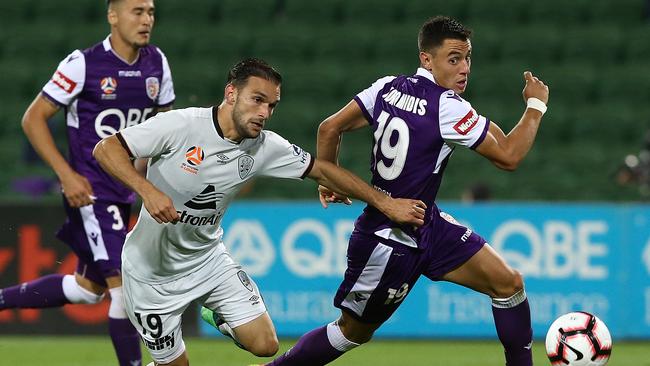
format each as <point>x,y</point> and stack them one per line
<point>510,302</point>
<point>77,294</point>
<point>337,339</point>
<point>116,310</point>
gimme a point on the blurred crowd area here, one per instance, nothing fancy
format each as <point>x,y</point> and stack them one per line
<point>594,55</point>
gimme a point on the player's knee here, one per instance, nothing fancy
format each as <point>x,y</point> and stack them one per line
<point>353,332</point>
<point>77,294</point>
<point>518,281</point>
<point>264,346</point>
<point>358,337</point>
<point>510,285</point>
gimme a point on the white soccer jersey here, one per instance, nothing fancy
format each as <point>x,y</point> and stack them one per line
<point>201,172</point>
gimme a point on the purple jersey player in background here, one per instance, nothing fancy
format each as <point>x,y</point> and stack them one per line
<point>417,121</point>
<point>116,83</point>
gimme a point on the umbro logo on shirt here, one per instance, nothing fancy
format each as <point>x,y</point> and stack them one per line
<point>205,200</point>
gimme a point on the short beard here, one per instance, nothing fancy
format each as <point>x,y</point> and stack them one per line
<point>140,45</point>
<point>239,122</point>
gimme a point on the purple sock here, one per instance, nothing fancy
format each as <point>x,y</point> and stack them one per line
<point>44,292</point>
<point>126,342</point>
<point>312,349</point>
<point>515,333</point>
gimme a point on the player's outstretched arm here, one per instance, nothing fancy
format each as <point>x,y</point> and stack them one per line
<point>115,160</point>
<point>507,151</point>
<point>349,118</point>
<point>76,188</point>
<point>399,210</point>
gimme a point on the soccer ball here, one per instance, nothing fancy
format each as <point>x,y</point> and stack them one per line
<point>578,339</point>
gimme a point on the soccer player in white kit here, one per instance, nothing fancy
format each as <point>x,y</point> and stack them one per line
<point>199,159</point>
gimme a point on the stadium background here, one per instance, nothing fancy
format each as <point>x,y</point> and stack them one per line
<point>593,54</point>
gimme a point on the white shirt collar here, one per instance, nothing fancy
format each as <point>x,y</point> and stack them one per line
<point>107,43</point>
<point>108,47</point>
<point>424,72</point>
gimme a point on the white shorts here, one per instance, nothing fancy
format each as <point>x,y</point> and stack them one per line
<point>156,309</point>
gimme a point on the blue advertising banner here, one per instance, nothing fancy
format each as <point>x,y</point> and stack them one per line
<point>590,257</point>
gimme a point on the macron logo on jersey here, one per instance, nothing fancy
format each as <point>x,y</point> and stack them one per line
<point>63,82</point>
<point>466,123</point>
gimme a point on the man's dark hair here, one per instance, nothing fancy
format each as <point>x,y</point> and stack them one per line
<point>435,30</point>
<point>244,69</point>
<point>112,2</point>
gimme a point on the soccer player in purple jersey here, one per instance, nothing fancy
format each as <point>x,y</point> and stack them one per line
<point>114,84</point>
<point>417,120</point>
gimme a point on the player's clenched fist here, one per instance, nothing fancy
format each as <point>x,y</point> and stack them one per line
<point>77,190</point>
<point>160,206</point>
<point>535,88</point>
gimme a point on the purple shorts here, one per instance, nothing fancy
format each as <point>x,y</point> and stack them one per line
<point>96,234</point>
<point>382,272</point>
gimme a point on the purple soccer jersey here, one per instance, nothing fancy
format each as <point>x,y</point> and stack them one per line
<point>102,94</point>
<point>416,125</point>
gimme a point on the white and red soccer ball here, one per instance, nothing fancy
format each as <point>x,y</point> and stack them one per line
<point>578,339</point>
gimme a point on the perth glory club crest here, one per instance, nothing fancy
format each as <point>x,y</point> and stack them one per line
<point>153,87</point>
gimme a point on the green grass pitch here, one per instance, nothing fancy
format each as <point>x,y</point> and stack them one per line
<point>97,351</point>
